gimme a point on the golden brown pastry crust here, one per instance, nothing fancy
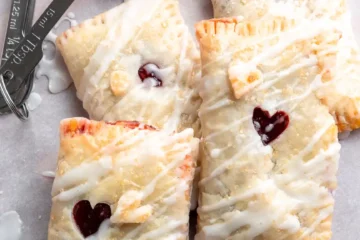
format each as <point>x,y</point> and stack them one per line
<point>249,189</point>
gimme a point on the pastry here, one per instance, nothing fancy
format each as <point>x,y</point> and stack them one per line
<point>342,94</point>
<point>254,9</point>
<point>270,146</point>
<point>137,61</point>
<point>122,180</point>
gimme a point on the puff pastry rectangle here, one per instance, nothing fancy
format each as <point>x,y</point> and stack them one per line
<point>137,61</point>
<point>122,180</point>
<point>270,146</point>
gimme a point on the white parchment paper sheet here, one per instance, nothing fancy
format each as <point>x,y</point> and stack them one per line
<point>27,149</point>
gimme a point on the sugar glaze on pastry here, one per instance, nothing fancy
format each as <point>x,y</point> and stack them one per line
<point>142,175</point>
<point>105,57</point>
<point>342,95</point>
<point>251,187</point>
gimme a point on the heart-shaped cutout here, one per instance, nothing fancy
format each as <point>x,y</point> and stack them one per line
<point>149,73</point>
<point>269,127</point>
<point>88,219</point>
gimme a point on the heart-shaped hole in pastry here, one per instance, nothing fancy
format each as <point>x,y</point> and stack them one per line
<point>148,74</point>
<point>269,127</point>
<point>88,219</point>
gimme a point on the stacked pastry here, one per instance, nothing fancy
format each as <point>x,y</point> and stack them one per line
<point>279,80</point>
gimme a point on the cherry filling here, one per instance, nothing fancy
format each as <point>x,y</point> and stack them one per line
<point>88,219</point>
<point>269,127</point>
<point>148,72</point>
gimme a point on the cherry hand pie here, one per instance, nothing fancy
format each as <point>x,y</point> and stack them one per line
<point>342,93</point>
<point>270,145</point>
<point>137,61</point>
<point>122,180</point>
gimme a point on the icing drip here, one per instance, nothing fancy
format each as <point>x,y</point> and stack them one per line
<point>10,226</point>
<point>34,101</point>
<point>149,74</point>
<point>87,175</point>
<point>49,174</point>
<point>52,65</point>
<point>102,233</point>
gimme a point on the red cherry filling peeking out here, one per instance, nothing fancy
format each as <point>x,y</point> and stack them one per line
<point>269,127</point>
<point>88,219</point>
<point>148,72</point>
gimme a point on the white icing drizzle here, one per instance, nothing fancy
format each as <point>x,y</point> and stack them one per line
<point>49,174</point>
<point>87,175</point>
<point>300,186</point>
<point>164,230</point>
<point>102,233</point>
<point>180,105</point>
<point>10,226</point>
<point>117,38</point>
<point>225,165</point>
<point>54,68</point>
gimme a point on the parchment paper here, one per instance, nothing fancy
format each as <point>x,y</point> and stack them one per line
<point>29,148</point>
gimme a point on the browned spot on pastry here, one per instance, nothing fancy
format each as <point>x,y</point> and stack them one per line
<point>132,125</point>
<point>220,25</point>
<point>79,126</point>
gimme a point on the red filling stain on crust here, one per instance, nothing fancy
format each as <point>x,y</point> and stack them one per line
<point>78,127</point>
<point>132,125</point>
<point>88,219</point>
<point>146,71</point>
<point>269,127</point>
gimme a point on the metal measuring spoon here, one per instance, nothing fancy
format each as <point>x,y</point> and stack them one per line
<point>15,74</point>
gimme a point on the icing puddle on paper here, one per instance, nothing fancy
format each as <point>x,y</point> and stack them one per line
<point>33,101</point>
<point>48,174</point>
<point>52,66</point>
<point>10,226</point>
